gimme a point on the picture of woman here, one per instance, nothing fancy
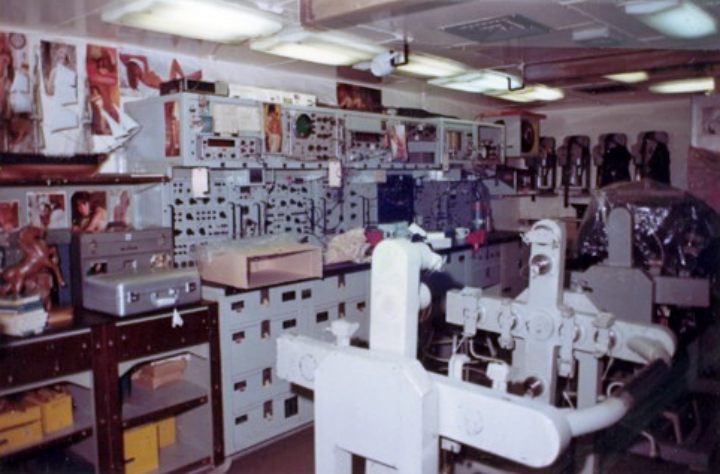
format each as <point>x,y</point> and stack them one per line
<point>120,203</point>
<point>89,211</point>
<point>172,128</point>
<point>273,128</point>
<point>46,210</point>
<point>9,216</point>
<point>398,142</point>
<point>60,80</point>
<point>16,105</point>
<point>141,77</point>
<point>102,76</point>
<point>6,74</point>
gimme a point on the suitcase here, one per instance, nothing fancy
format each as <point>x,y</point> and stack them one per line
<point>118,251</point>
<point>134,292</point>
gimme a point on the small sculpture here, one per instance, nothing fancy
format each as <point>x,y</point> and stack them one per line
<point>34,272</point>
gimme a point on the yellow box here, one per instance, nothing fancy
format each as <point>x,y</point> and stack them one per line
<point>140,449</point>
<point>19,436</point>
<point>166,432</point>
<point>14,414</point>
<point>56,408</point>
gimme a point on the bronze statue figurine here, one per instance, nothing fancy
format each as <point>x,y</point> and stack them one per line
<point>33,274</point>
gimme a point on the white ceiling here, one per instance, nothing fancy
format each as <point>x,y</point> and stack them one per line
<point>549,53</point>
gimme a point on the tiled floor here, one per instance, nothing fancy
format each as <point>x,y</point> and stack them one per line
<point>291,455</point>
<point>294,455</point>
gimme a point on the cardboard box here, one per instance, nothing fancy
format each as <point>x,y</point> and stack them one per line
<point>166,432</point>
<point>140,449</point>
<point>19,436</point>
<point>261,265</point>
<point>55,406</point>
<point>14,414</point>
<point>154,375</point>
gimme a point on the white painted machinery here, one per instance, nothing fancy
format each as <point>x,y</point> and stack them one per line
<point>381,404</point>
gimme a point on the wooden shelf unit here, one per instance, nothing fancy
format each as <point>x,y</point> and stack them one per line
<point>92,353</point>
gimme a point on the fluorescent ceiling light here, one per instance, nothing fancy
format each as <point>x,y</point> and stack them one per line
<point>700,84</point>
<point>478,81</point>
<point>628,77</point>
<point>332,48</point>
<point>597,37</point>
<point>676,18</point>
<point>212,20</point>
<point>431,66</point>
<point>531,93</point>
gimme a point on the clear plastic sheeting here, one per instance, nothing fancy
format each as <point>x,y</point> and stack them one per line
<point>675,233</point>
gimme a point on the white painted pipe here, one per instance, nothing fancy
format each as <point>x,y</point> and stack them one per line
<point>425,297</point>
<point>610,411</point>
<point>649,349</point>
<point>598,417</point>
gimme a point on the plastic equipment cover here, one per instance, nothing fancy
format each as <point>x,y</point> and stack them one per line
<point>673,230</point>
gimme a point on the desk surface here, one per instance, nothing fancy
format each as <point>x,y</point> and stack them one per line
<point>495,237</point>
<point>83,321</point>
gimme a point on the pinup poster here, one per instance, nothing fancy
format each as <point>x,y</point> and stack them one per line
<point>142,72</point>
<point>705,128</point>
<point>398,142</point>
<point>16,98</point>
<point>47,210</point>
<point>119,208</point>
<point>361,98</point>
<point>89,211</point>
<point>102,74</point>
<point>273,128</point>
<point>9,215</point>
<point>172,129</point>
<point>59,74</point>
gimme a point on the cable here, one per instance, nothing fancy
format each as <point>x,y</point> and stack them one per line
<point>484,358</point>
<point>491,346</point>
<point>607,368</point>
<point>654,451</point>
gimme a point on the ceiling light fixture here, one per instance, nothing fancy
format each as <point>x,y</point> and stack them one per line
<point>431,66</point>
<point>482,81</point>
<point>628,77</point>
<point>597,37</point>
<point>684,86</point>
<point>676,18</point>
<point>212,20</point>
<point>331,48</point>
<point>531,93</point>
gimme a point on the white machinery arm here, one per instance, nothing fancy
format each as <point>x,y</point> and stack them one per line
<point>381,403</point>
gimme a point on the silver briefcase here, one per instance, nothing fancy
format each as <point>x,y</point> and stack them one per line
<point>134,292</point>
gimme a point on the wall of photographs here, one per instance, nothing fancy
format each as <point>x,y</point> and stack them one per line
<point>82,208</point>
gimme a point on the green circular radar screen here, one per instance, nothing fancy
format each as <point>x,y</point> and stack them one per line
<point>303,126</point>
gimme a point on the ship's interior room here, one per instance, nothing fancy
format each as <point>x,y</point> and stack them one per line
<point>359,236</point>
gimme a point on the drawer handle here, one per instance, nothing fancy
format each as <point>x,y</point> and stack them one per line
<point>128,461</point>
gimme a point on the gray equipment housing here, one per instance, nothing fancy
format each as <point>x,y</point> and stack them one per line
<point>114,252</point>
<point>628,292</point>
<point>133,292</point>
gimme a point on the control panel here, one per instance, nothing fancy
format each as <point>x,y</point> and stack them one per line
<point>459,145</point>
<point>366,142</point>
<point>313,135</point>
<point>422,143</point>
